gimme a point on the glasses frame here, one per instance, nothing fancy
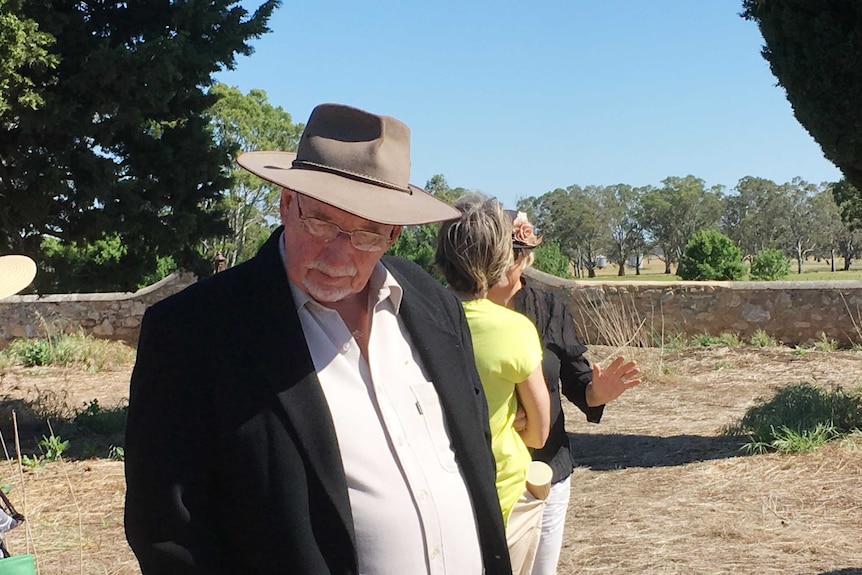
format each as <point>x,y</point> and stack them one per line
<point>334,230</point>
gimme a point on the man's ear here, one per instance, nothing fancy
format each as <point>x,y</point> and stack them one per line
<point>284,204</point>
<point>396,232</point>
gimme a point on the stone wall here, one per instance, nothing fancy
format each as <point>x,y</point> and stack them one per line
<point>796,313</point>
<point>611,313</point>
<point>106,315</point>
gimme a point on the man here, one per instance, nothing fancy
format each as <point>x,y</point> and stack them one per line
<point>316,409</point>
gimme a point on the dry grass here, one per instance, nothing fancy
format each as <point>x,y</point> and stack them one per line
<point>657,488</point>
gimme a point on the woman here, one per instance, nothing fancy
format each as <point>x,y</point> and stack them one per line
<point>565,370</point>
<point>474,253</point>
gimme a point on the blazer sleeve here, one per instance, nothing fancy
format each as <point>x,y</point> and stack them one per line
<point>166,455</point>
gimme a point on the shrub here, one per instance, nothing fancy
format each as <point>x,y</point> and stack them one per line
<point>799,411</point>
<point>769,265</point>
<point>710,255</point>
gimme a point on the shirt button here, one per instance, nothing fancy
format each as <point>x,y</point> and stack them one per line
<point>346,347</point>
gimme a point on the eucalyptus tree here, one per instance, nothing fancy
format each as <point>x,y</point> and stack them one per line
<point>672,213</point>
<point>620,206</point>
<point>574,218</point>
<point>831,230</point>
<point>755,215</point>
<point>806,219</point>
<point>244,122</point>
<point>122,146</point>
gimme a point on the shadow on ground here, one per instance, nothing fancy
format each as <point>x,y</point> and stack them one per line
<point>602,452</point>
<point>845,571</point>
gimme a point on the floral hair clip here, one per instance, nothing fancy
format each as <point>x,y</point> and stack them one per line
<point>523,232</point>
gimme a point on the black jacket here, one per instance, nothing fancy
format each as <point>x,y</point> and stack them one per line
<point>232,463</point>
<point>564,366</point>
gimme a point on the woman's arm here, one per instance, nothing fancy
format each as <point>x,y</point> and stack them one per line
<point>534,398</point>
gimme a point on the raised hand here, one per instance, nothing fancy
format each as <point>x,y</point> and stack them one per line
<point>608,384</point>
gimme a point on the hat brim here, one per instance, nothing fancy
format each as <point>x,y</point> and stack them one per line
<point>364,199</point>
<point>16,273</point>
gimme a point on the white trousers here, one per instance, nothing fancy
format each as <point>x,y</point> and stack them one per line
<point>553,522</point>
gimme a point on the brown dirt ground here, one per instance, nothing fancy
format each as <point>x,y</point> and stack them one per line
<point>657,488</point>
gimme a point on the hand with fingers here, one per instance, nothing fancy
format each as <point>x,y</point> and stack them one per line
<point>608,384</point>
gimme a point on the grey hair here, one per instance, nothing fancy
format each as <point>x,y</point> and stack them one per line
<point>475,251</point>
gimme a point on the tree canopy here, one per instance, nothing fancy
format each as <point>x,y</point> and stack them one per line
<point>815,51</point>
<point>245,122</point>
<point>122,146</point>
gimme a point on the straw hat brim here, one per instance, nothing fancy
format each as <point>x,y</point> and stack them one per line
<point>16,273</point>
<point>373,202</point>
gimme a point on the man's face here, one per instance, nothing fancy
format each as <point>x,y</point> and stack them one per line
<point>328,271</point>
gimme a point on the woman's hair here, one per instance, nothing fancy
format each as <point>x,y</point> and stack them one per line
<point>475,251</point>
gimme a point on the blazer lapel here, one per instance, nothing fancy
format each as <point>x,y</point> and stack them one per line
<point>291,374</point>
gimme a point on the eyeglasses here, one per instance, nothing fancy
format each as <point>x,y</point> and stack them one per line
<point>326,231</point>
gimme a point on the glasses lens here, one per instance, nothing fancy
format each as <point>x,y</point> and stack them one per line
<point>321,229</point>
<point>368,241</point>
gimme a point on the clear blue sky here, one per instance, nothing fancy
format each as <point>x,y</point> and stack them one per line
<point>516,99</point>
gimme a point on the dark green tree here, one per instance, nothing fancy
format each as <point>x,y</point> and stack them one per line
<point>23,50</point>
<point>711,255</point>
<point>122,146</point>
<point>815,51</point>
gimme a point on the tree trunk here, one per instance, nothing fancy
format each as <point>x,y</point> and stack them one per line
<point>832,261</point>
<point>667,267</point>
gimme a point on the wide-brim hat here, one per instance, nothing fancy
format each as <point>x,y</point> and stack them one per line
<point>16,273</point>
<point>356,161</point>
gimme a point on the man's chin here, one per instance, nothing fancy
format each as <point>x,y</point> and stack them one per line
<point>324,294</point>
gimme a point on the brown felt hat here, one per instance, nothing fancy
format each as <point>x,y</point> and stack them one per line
<point>16,273</point>
<point>356,161</point>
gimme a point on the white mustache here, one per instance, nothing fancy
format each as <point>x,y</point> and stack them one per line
<point>332,271</point>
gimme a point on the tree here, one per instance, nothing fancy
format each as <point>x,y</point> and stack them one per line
<point>122,146</point>
<point>804,221</point>
<point>815,51</point>
<point>620,204</point>
<point>672,213</point>
<point>419,243</point>
<point>849,202</point>
<point>23,47</point>
<point>710,255</point>
<point>755,217</point>
<point>244,123</point>
<point>572,217</point>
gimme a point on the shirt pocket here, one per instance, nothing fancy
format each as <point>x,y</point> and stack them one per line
<point>428,404</point>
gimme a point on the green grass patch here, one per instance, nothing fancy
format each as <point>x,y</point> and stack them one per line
<point>762,339</point>
<point>799,418</point>
<point>78,349</point>
<point>724,339</point>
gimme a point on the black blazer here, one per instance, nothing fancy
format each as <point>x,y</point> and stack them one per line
<point>232,463</point>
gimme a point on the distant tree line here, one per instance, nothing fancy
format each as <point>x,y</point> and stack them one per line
<point>622,223</point>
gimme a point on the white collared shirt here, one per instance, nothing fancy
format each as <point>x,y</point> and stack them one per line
<point>411,509</point>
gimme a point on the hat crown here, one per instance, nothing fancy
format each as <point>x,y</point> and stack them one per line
<point>356,144</point>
